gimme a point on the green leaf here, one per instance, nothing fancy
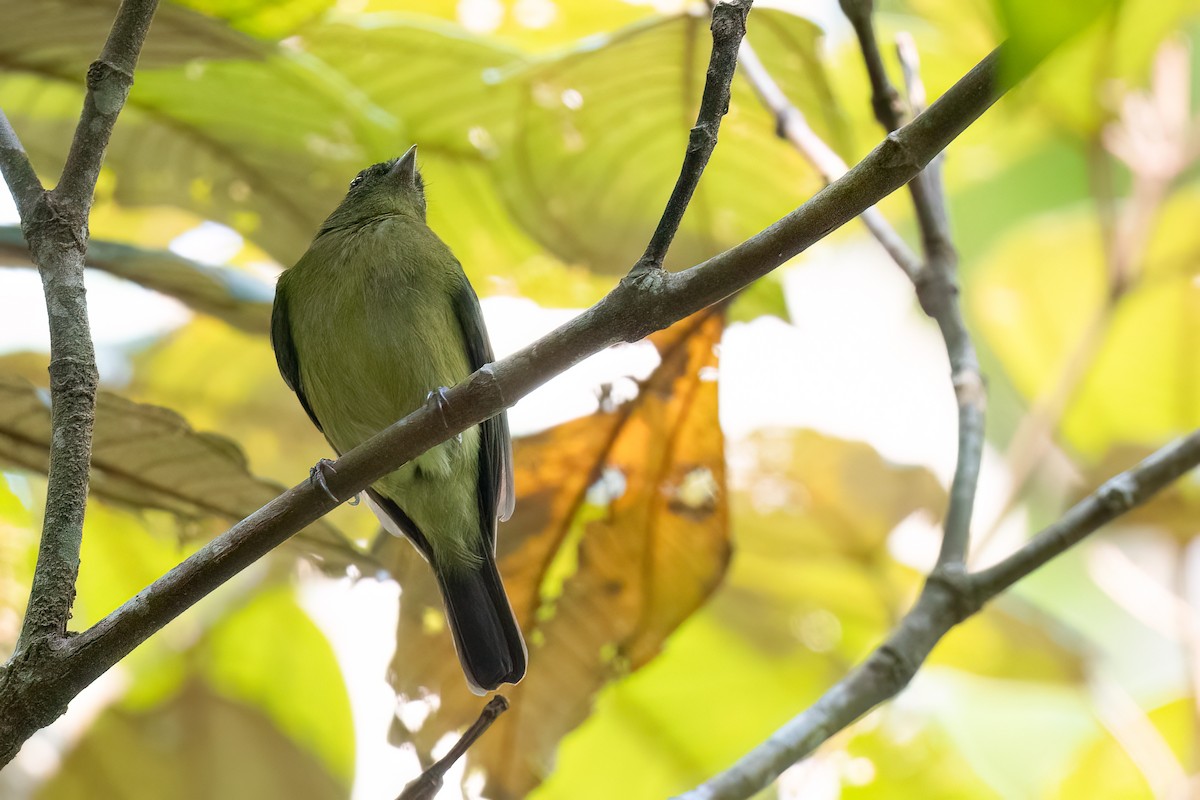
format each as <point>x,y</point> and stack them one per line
<point>764,297</point>
<point>60,38</point>
<point>458,111</point>
<point>225,380</point>
<point>535,27</point>
<point>1109,767</point>
<point>249,640</point>
<point>266,19</point>
<point>265,146</point>
<point>812,571</point>
<point>599,133</point>
<point>1011,641</point>
<point>1017,736</point>
<point>149,457</point>
<point>197,745</point>
<point>1040,298</point>
<point>232,295</point>
<point>1035,29</point>
<point>1074,87</point>
<point>252,656</point>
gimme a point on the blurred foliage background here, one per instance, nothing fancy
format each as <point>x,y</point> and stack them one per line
<point>687,578</point>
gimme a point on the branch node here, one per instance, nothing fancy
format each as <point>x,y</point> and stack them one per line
<point>962,593</point>
<point>898,154</point>
<point>52,227</point>
<point>970,389</point>
<point>109,85</point>
<point>892,667</point>
<point>1119,493</point>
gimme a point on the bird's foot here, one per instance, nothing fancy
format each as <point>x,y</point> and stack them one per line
<point>317,475</point>
<point>438,397</point>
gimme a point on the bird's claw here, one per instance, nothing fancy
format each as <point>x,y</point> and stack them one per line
<point>317,475</point>
<point>438,397</point>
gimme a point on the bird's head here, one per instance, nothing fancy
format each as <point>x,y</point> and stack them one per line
<point>390,188</point>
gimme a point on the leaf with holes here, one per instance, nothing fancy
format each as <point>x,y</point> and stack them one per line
<point>621,532</point>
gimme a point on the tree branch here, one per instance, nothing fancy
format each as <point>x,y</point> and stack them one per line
<point>937,286</point>
<point>56,227</point>
<point>1117,496</point>
<point>429,782</point>
<point>885,100</point>
<point>18,173</point>
<point>728,28</point>
<point>790,124</point>
<point>639,305</point>
<point>108,82</point>
<point>948,598</point>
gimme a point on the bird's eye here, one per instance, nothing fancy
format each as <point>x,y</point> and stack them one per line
<point>357,180</point>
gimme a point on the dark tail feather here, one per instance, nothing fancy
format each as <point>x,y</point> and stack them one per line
<point>486,634</point>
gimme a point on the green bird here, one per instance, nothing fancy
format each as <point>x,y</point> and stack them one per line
<point>374,320</point>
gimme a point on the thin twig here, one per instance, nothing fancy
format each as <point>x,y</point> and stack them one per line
<point>638,306</point>
<point>885,100</point>
<point>949,597</point>
<point>429,782</point>
<point>18,173</point>
<point>56,227</point>
<point>1117,496</point>
<point>790,124</point>
<point>937,289</point>
<point>910,65</point>
<point>728,28</point>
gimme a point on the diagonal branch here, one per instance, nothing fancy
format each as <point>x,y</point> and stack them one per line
<point>949,597</point>
<point>936,284</point>
<point>429,783</point>
<point>728,29</point>
<point>639,305</point>
<point>1117,496</point>
<point>790,124</point>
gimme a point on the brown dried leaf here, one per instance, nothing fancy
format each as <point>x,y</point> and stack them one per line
<point>597,585</point>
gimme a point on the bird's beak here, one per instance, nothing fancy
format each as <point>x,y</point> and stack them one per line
<point>405,168</point>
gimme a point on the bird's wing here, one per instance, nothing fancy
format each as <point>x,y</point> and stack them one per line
<point>496,496</point>
<point>285,351</point>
